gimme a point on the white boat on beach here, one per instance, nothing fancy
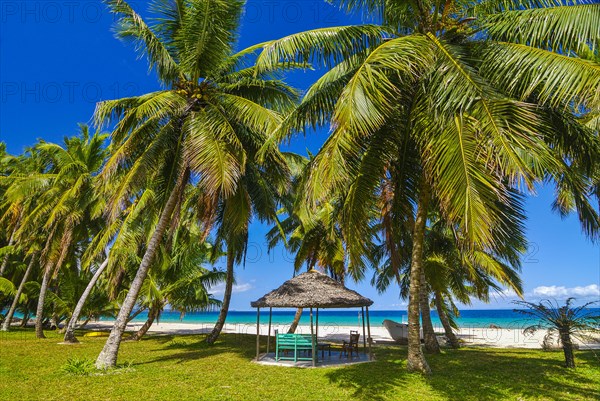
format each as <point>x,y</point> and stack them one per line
<point>398,331</point>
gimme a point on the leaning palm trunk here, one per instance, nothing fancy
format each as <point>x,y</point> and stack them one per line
<point>294,324</point>
<point>70,328</point>
<point>11,241</point>
<point>108,356</point>
<point>135,314</point>
<point>567,346</point>
<point>416,360</point>
<point>13,306</point>
<point>212,337</point>
<point>431,344</point>
<point>152,314</point>
<point>39,313</point>
<point>452,339</point>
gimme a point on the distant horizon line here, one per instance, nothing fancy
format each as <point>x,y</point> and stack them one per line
<point>347,309</point>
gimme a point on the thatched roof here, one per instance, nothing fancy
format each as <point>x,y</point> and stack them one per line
<point>312,290</point>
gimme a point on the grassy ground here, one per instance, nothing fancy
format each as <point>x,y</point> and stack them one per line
<point>184,367</point>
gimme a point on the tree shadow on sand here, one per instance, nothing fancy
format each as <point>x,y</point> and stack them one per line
<point>469,374</point>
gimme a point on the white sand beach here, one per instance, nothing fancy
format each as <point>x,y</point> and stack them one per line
<point>483,337</point>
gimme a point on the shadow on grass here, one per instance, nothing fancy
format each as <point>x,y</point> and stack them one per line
<point>589,357</point>
<point>195,347</point>
<point>374,381</point>
<point>469,374</point>
<point>464,374</point>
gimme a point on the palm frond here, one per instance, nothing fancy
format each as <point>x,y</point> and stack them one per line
<point>131,26</point>
<point>207,33</point>
<point>483,8</point>
<point>554,79</point>
<point>562,29</point>
<point>364,105</point>
<point>324,46</point>
<point>215,152</point>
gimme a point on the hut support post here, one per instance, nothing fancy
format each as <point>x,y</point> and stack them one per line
<point>369,340</point>
<point>269,334</point>
<point>362,309</point>
<point>312,337</point>
<point>317,326</point>
<point>257,333</point>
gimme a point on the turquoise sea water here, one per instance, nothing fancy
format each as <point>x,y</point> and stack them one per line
<point>505,318</point>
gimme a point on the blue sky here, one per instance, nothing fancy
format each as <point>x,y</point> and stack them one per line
<point>57,59</point>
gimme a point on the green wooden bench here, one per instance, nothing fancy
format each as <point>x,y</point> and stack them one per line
<point>295,343</point>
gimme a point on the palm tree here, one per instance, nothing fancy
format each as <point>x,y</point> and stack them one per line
<point>315,240</point>
<point>257,196</point>
<point>13,207</point>
<point>11,216</point>
<point>11,240</point>
<point>53,190</point>
<point>475,90</point>
<point>568,321</point>
<point>117,244</point>
<point>66,201</point>
<point>18,294</point>
<point>314,237</point>
<point>13,210</point>
<point>69,336</point>
<point>452,273</point>
<point>178,278</point>
<point>200,129</point>
<point>65,292</point>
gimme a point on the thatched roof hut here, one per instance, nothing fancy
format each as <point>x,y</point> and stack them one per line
<point>312,289</point>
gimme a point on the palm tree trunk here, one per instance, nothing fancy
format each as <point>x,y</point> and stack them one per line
<point>135,314</point>
<point>39,313</point>
<point>431,344</point>
<point>13,306</point>
<point>212,337</point>
<point>54,320</point>
<point>11,242</point>
<point>452,339</point>
<point>108,356</point>
<point>416,360</point>
<point>152,313</point>
<point>70,328</point>
<point>567,346</point>
<point>82,325</point>
<point>294,324</point>
<point>24,320</point>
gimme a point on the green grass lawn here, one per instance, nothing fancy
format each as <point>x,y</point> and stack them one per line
<point>184,367</point>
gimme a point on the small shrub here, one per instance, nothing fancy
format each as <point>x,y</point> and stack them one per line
<point>78,367</point>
